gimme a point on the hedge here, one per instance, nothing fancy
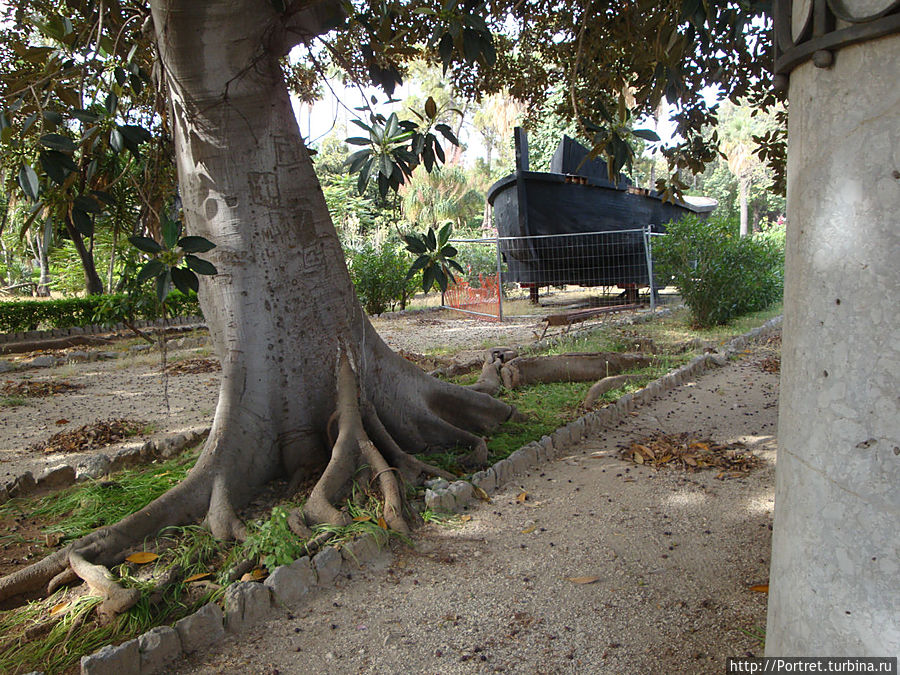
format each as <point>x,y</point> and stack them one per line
<point>23,315</point>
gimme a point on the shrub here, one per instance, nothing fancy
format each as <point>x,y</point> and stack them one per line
<point>477,259</point>
<point>23,315</point>
<point>720,275</point>
<point>379,277</point>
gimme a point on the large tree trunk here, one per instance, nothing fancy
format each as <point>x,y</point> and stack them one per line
<point>294,343</point>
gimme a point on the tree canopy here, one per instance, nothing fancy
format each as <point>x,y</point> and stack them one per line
<point>83,101</point>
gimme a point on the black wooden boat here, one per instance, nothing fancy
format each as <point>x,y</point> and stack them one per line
<point>544,221</point>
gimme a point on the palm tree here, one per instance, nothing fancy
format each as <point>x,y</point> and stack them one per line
<point>442,195</point>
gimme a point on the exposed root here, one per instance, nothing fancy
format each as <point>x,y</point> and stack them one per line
<point>116,599</point>
<point>569,367</point>
<point>353,451</point>
<point>605,385</point>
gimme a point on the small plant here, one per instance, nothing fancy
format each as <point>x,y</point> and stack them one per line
<point>173,261</point>
<point>12,401</point>
<point>436,258</point>
<point>720,275</point>
<point>273,543</point>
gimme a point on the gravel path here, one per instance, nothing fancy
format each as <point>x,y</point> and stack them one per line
<point>673,555</point>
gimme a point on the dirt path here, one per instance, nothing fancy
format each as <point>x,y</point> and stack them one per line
<point>132,387</point>
<point>673,553</point>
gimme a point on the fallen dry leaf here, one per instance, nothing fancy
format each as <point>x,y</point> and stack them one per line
<point>583,580</point>
<point>466,518</point>
<point>62,421</point>
<point>362,519</point>
<point>255,574</point>
<point>382,523</point>
<point>522,497</point>
<point>38,388</point>
<point>198,577</point>
<point>481,494</point>
<point>529,529</point>
<point>142,557</point>
<point>685,451</point>
<point>59,608</point>
<point>760,588</point>
<point>90,436</point>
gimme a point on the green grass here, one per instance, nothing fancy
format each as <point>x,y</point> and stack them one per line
<point>13,401</point>
<point>96,503</point>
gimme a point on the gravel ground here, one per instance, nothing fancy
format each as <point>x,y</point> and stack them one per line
<point>670,557</point>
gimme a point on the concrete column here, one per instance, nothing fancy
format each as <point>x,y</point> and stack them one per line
<point>835,576</point>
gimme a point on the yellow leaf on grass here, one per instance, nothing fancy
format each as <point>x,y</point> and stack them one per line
<point>142,557</point>
<point>382,523</point>
<point>760,588</point>
<point>583,580</point>
<point>362,519</point>
<point>198,577</point>
<point>466,518</point>
<point>58,608</point>
<point>522,497</point>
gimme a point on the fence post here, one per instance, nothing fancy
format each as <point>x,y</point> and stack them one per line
<point>649,253</point>
<point>499,277</point>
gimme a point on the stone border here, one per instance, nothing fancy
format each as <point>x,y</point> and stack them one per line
<point>247,602</point>
<point>63,475</point>
<point>93,329</point>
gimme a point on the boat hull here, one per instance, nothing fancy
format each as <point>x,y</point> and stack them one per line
<point>548,222</point>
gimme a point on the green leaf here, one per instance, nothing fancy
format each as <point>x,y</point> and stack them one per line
<point>199,265</point>
<point>57,165</point>
<point>163,285</point>
<point>414,244</point>
<point>28,181</point>
<point>84,116</point>
<point>430,239</point>
<point>448,251</point>
<point>646,134</point>
<point>185,280</point>
<point>444,235</point>
<point>431,108</point>
<point>111,102</point>
<point>82,222</point>
<point>195,244</point>
<point>152,268</point>
<point>171,229</point>
<point>428,278</point>
<point>87,204</point>
<point>419,264</point>
<point>116,140</point>
<point>145,244</point>
<point>53,118</point>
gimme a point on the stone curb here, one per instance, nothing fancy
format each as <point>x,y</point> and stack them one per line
<point>247,603</point>
<point>453,497</point>
<point>100,464</point>
<point>93,329</point>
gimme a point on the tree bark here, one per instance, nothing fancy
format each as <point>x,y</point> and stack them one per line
<point>281,311</point>
<point>93,285</point>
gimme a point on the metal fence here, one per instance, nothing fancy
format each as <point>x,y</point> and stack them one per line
<point>506,277</point>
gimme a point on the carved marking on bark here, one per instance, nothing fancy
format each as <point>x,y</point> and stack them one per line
<point>264,188</point>
<point>287,152</point>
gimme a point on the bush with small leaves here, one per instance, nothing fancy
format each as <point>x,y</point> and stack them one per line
<point>379,277</point>
<point>719,274</point>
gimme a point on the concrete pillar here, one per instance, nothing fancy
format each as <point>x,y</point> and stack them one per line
<point>835,576</point>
